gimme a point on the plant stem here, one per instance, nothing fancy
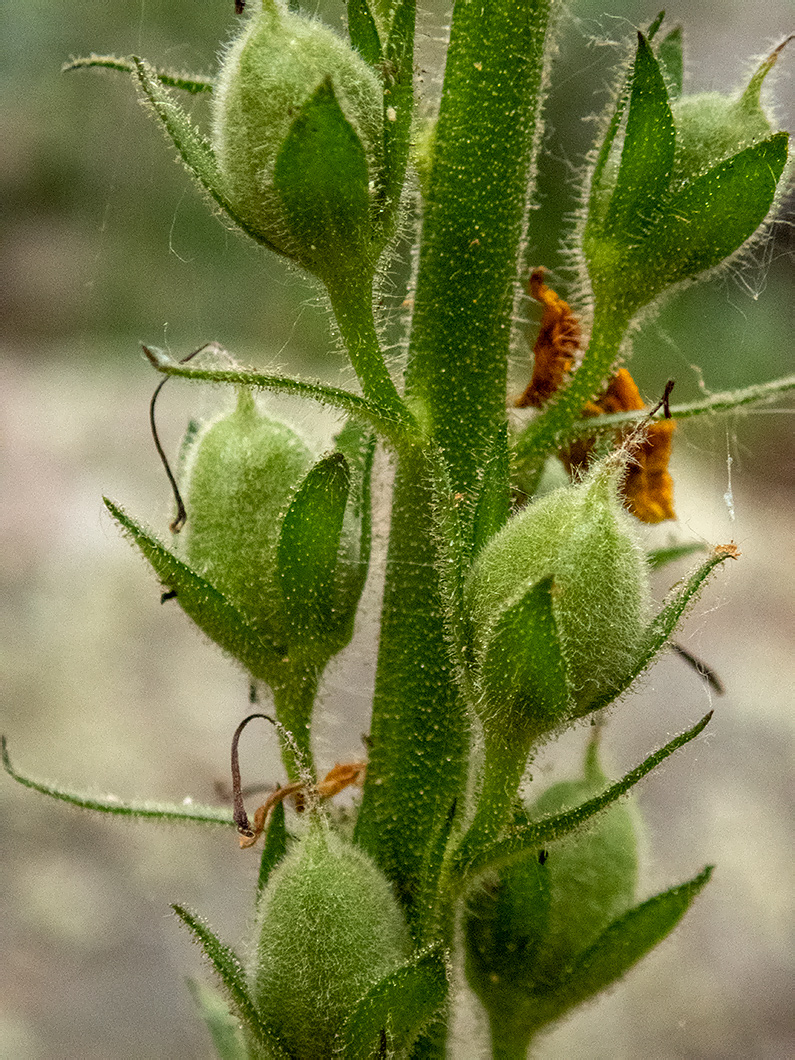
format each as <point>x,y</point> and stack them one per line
<point>294,699</point>
<point>352,301</point>
<point>505,760</point>
<point>455,383</point>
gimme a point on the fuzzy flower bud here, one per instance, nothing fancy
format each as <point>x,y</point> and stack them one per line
<point>298,134</point>
<point>692,180</point>
<point>329,929</point>
<point>526,927</point>
<point>557,604</point>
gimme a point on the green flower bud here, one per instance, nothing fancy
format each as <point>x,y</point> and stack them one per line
<point>298,134</point>
<point>580,545</point>
<point>691,182</point>
<point>526,927</point>
<point>242,471</point>
<point>329,929</point>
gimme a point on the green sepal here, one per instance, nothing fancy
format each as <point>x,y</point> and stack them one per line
<point>656,635</point>
<point>661,557</point>
<point>224,1028</point>
<point>711,217</point>
<point>212,612</point>
<point>162,812</point>
<point>229,969</point>
<point>357,445</point>
<point>671,59</point>
<point>525,841</point>
<point>307,556</point>
<point>192,83</point>
<point>274,848</point>
<point>393,1012</point>
<point>523,671</point>
<point>648,153</point>
<point>651,32</point>
<point>194,149</point>
<point>321,175</point>
<point>625,942</point>
<point>363,31</point>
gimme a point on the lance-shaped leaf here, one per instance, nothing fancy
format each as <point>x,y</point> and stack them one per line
<point>192,83</point>
<point>363,31</point>
<point>711,217</point>
<point>229,969</point>
<point>309,545</point>
<point>523,671</point>
<point>661,557</point>
<point>224,1028</point>
<point>212,612</point>
<point>525,841</point>
<point>648,152</point>
<point>187,812</point>
<point>392,1014</point>
<point>622,945</point>
<point>275,846</point>
<point>671,60</point>
<point>322,177</point>
<point>194,148</point>
<point>656,636</point>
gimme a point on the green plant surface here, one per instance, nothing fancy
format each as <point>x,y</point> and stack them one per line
<point>505,618</point>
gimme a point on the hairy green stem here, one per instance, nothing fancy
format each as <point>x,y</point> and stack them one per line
<point>455,384</point>
<point>294,700</point>
<point>352,301</point>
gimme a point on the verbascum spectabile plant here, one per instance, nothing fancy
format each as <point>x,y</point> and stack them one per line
<point>517,600</point>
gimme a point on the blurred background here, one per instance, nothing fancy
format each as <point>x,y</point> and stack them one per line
<point>105,243</point>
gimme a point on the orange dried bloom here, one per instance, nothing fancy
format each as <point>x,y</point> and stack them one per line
<point>648,487</point>
<point>556,346</point>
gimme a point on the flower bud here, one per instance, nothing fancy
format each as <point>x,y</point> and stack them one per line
<point>242,472</point>
<point>329,929</point>
<point>527,926</point>
<point>691,182</point>
<point>581,544</point>
<point>292,94</point>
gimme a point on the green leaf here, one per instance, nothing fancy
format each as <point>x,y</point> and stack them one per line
<point>648,153</point>
<point>661,557</point>
<point>224,1028</point>
<point>322,177</point>
<point>309,544</point>
<point>526,841</point>
<point>212,612</point>
<point>625,942</point>
<point>193,83</point>
<point>164,812</point>
<point>229,969</point>
<point>671,60</point>
<point>524,652</point>
<point>379,418</point>
<point>392,1014</point>
<point>656,636</point>
<point>194,148</point>
<point>363,31</point>
<point>275,846</point>
<point>711,218</point>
